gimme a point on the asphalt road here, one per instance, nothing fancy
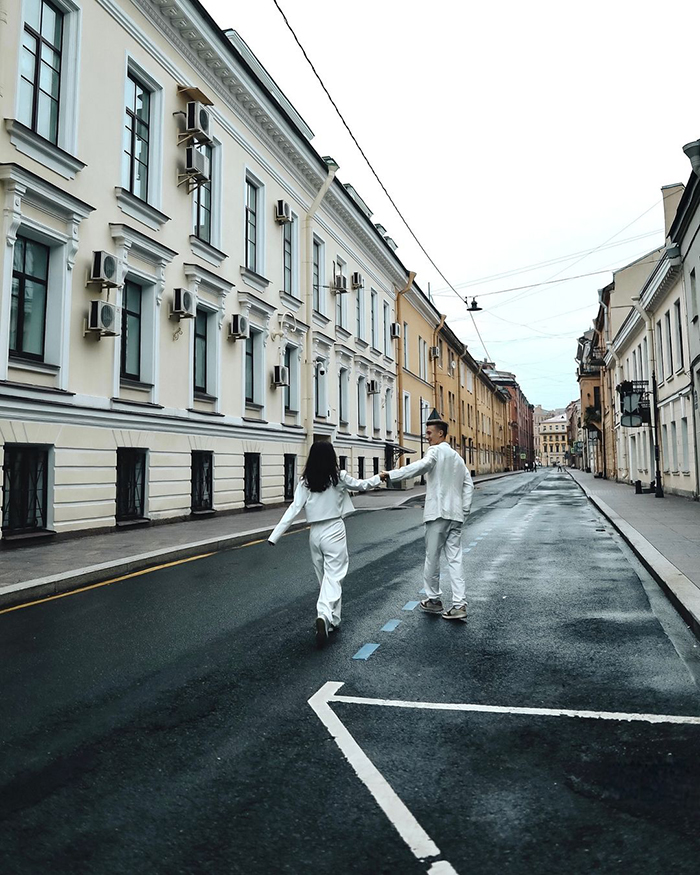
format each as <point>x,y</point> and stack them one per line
<point>162,725</point>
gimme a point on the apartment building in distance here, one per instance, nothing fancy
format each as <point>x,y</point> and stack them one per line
<point>554,438</point>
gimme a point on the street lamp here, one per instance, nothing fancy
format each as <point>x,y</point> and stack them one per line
<point>473,307</point>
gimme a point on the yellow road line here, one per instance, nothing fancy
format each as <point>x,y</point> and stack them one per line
<point>62,595</point>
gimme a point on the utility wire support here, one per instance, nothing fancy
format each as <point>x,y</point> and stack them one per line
<point>374,172</point>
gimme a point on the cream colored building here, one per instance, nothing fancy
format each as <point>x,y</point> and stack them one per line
<point>554,440</point>
<point>188,295</point>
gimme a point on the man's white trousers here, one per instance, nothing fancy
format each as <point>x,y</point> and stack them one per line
<point>329,555</point>
<point>444,536</point>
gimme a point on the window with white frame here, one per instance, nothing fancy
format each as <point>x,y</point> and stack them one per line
<point>253,217</point>
<point>30,279</point>
<point>659,353</point>
<point>679,332</point>
<point>343,396</point>
<point>137,137</point>
<point>201,349</point>
<point>388,413</point>
<point>288,257</point>
<point>360,313</point>
<point>693,296</point>
<point>254,368</point>
<point>132,317</point>
<point>376,412</point>
<point>341,302</point>
<point>685,463</point>
<point>291,391</point>
<point>674,444</point>
<point>374,319</point>
<point>387,329</point>
<point>321,388</point>
<point>318,259</point>
<point>40,69</point>
<point>669,343</point>
<point>422,359</point>
<point>406,412</point>
<point>361,402</point>
<point>203,198</point>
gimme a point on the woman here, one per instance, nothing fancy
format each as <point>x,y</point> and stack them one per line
<point>323,493</point>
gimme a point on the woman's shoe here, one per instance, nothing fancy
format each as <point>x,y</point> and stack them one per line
<point>321,632</point>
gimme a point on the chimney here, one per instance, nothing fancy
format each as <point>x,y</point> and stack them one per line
<point>671,195</point>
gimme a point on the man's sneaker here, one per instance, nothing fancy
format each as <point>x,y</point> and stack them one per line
<point>431,606</point>
<point>321,632</point>
<point>458,612</point>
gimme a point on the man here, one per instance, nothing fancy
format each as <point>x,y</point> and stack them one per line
<point>447,504</point>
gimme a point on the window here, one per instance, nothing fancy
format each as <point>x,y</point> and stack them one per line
<point>360,313</point>
<point>202,480</point>
<point>375,465</point>
<point>659,353</point>
<point>251,226</point>
<point>251,477</point>
<point>361,468</point>
<point>317,276</point>
<point>131,483</point>
<point>405,345</point>
<point>442,404</point>
<point>679,332</point>
<point>387,336</point>
<point>40,69</point>
<point>693,296</point>
<point>202,199</point>
<point>137,137</point>
<point>674,444</point>
<point>361,403</point>
<point>665,447</point>
<point>291,390</point>
<point>253,369</point>
<point>343,463</point>
<point>440,351</point>
<point>200,351</point>
<point>343,384</point>
<point>287,256</point>
<point>340,297</point>
<point>290,475</point>
<point>406,412</point>
<point>388,415</point>
<point>374,316</point>
<point>131,332</point>
<point>422,359</point>
<point>376,412</point>
<point>29,297</point>
<point>684,445</point>
<point>24,489</point>
<point>669,344</point>
<point>320,388</point>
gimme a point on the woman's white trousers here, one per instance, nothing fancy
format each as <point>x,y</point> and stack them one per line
<point>444,536</point>
<point>329,555</point>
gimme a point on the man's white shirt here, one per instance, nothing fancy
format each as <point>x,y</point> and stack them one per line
<point>449,484</point>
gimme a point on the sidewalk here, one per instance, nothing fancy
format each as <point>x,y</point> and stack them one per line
<point>29,573</point>
<point>664,533</point>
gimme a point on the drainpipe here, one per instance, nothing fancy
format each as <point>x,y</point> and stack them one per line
<point>399,369</point>
<point>622,451</point>
<point>3,50</point>
<point>308,399</point>
<point>658,489</point>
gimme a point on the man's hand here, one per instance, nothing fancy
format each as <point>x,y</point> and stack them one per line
<point>384,476</point>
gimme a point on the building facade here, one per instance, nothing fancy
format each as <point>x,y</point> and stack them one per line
<point>554,437</point>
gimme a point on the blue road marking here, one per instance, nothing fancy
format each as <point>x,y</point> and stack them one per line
<point>409,606</point>
<point>466,549</point>
<point>480,538</point>
<point>473,544</point>
<point>390,626</point>
<point>366,651</point>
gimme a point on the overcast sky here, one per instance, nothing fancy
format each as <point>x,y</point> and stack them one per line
<point>509,134</point>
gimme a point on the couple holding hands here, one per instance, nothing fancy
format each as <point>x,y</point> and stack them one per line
<point>323,493</point>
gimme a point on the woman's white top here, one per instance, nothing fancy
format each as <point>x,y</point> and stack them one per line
<point>333,503</point>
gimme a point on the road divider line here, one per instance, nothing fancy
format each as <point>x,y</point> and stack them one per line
<point>390,626</point>
<point>417,839</point>
<point>365,651</point>
<point>409,606</point>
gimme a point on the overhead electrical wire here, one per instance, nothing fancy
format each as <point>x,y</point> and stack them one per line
<point>374,172</point>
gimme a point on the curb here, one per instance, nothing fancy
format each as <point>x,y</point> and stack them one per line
<point>680,590</point>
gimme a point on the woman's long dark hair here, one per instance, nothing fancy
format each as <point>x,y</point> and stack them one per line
<point>321,469</point>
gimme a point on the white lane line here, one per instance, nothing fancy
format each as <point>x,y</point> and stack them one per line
<point>533,712</point>
<point>400,817</point>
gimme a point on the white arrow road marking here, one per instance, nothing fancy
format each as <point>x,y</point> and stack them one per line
<point>417,839</point>
<point>400,817</point>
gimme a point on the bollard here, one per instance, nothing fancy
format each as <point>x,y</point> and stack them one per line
<point>637,487</point>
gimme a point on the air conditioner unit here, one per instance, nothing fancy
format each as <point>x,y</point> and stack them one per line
<point>184,304</point>
<point>196,164</point>
<point>340,284</point>
<point>395,330</point>
<point>372,387</point>
<point>103,317</point>
<point>357,280</point>
<point>239,329</point>
<point>104,269</point>
<point>434,352</point>
<point>198,121</point>
<point>280,375</point>
<point>283,212</point>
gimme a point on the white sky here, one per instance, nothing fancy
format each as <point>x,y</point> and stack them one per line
<point>508,134</point>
